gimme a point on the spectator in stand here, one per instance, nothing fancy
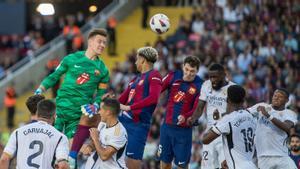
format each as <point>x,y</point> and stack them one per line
<point>112,39</point>
<point>10,104</point>
<point>72,34</point>
<point>295,149</point>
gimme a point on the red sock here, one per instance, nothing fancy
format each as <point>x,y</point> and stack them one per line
<point>81,135</point>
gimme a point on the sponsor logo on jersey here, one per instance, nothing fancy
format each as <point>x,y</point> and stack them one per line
<point>131,95</point>
<point>179,96</point>
<point>83,78</point>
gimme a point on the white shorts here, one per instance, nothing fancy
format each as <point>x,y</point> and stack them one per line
<point>212,154</point>
<point>276,162</point>
<point>239,164</point>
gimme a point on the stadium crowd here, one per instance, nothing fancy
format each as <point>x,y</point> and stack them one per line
<point>257,42</point>
<point>41,30</point>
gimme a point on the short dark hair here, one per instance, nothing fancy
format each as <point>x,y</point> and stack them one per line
<point>236,94</point>
<point>99,31</point>
<point>46,109</point>
<point>283,90</point>
<point>112,104</point>
<point>216,67</point>
<point>193,61</point>
<point>295,135</point>
<point>32,102</point>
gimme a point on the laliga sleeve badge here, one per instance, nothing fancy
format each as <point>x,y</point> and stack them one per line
<point>97,72</point>
<point>141,82</point>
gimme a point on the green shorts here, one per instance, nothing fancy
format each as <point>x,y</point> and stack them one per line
<point>66,126</point>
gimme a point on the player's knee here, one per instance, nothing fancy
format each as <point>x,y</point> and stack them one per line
<point>164,165</point>
<point>133,163</point>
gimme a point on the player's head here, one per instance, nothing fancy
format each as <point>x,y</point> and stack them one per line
<point>190,68</point>
<point>110,108</point>
<point>235,96</point>
<point>216,75</point>
<point>97,40</point>
<point>295,142</point>
<point>32,102</point>
<point>280,98</point>
<point>145,56</point>
<point>46,110</point>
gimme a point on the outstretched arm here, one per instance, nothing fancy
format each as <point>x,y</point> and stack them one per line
<point>197,113</point>
<point>4,161</point>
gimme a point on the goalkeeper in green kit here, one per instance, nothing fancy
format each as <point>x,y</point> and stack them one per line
<point>85,82</point>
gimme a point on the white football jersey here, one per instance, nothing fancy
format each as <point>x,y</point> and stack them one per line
<point>215,100</point>
<point>269,139</point>
<point>237,130</point>
<point>37,145</point>
<point>116,137</point>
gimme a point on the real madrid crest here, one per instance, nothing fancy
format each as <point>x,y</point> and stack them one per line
<point>192,90</point>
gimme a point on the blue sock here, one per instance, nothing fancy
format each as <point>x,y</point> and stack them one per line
<point>73,154</point>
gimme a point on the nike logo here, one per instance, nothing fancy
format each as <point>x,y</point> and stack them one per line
<point>129,153</point>
<point>76,66</point>
<point>180,163</point>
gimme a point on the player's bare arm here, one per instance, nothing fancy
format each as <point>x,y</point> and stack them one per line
<point>124,107</point>
<point>285,126</point>
<point>197,113</point>
<point>4,161</point>
<point>209,137</point>
<point>104,153</point>
<point>87,148</point>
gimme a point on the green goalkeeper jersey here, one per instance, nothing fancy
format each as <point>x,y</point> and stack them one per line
<point>85,82</point>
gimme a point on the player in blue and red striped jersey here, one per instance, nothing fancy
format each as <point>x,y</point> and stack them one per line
<point>183,88</point>
<point>138,102</point>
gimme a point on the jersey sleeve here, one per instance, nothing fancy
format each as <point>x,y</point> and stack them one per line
<point>290,116</point>
<point>222,126</point>
<point>166,81</point>
<point>62,151</point>
<point>62,68</point>
<point>102,87</point>
<point>118,140</point>
<point>253,109</point>
<point>11,146</point>
<point>203,90</point>
<point>154,92</point>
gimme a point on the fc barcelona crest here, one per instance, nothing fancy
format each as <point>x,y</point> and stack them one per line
<point>192,90</point>
<point>97,72</point>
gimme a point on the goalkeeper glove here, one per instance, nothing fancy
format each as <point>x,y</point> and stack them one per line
<point>38,91</point>
<point>90,109</point>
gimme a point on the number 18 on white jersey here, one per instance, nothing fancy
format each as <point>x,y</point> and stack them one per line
<point>237,130</point>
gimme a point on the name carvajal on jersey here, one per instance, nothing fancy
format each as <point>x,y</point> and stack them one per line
<point>38,130</point>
